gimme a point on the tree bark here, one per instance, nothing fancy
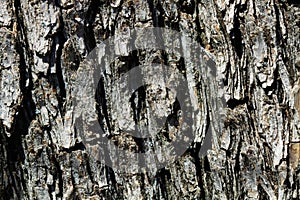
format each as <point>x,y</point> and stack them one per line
<point>256,48</point>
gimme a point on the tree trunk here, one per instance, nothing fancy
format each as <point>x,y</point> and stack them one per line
<point>255,46</point>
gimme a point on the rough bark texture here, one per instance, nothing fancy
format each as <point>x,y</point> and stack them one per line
<point>257,50</point>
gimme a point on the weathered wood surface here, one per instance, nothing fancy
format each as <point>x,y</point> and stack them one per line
<point>257,51</point>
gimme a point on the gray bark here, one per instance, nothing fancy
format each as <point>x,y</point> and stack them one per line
<point>257,52</point>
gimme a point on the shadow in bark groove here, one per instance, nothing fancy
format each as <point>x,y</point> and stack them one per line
<point>89,39</point>
<point>236,35</point>
<point>156,11</point>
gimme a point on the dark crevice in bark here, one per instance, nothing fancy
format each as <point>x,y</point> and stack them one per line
<point>88,167</point>
<point>24,67</point>
<point>89,39</point>
<point>199,30</point>
<point>208,119</point>
<point>233,103</point>
<point>280,92</point>
<point>283,41</point>
<point>62,88</point>
<point>254,10</point>
<point>227,73</point>
<point>288,159</point>
<point>140,145</point>
<point>279,38</point>
<point>162,177</point>
<point>294,2</point>
<point>115,22</point>
<point>56,3</point>
<point>6,191</point>
<point>102,105</point>
<point>237,167</point>
<point>111,179</point>
<point>230,181</point>
<point>199,170</point>
<point>137,115</point>
<point>131,61</point>
<point>174,25</point>
<point>236,35</point>
<point>181,66</point>
<point>25,113</point>
<point>51,189</point>
<point>14,165</point>
<point>220,16</point>
<point>22,120</point>
<point>50,153</point>
<point>57,79</point>
<point>22,40</point>
<point>274,85</point>
<point>74,194</point>
<point>157,13</point>
<point>55,165</point>
<point>187,6</point>
<point>172,119</point>
<point>58,175</point>
<point>263,194</point>
<point>76,147</point>
<point>294,187</point>
<point>140,93</point>
<point>142,180</point>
